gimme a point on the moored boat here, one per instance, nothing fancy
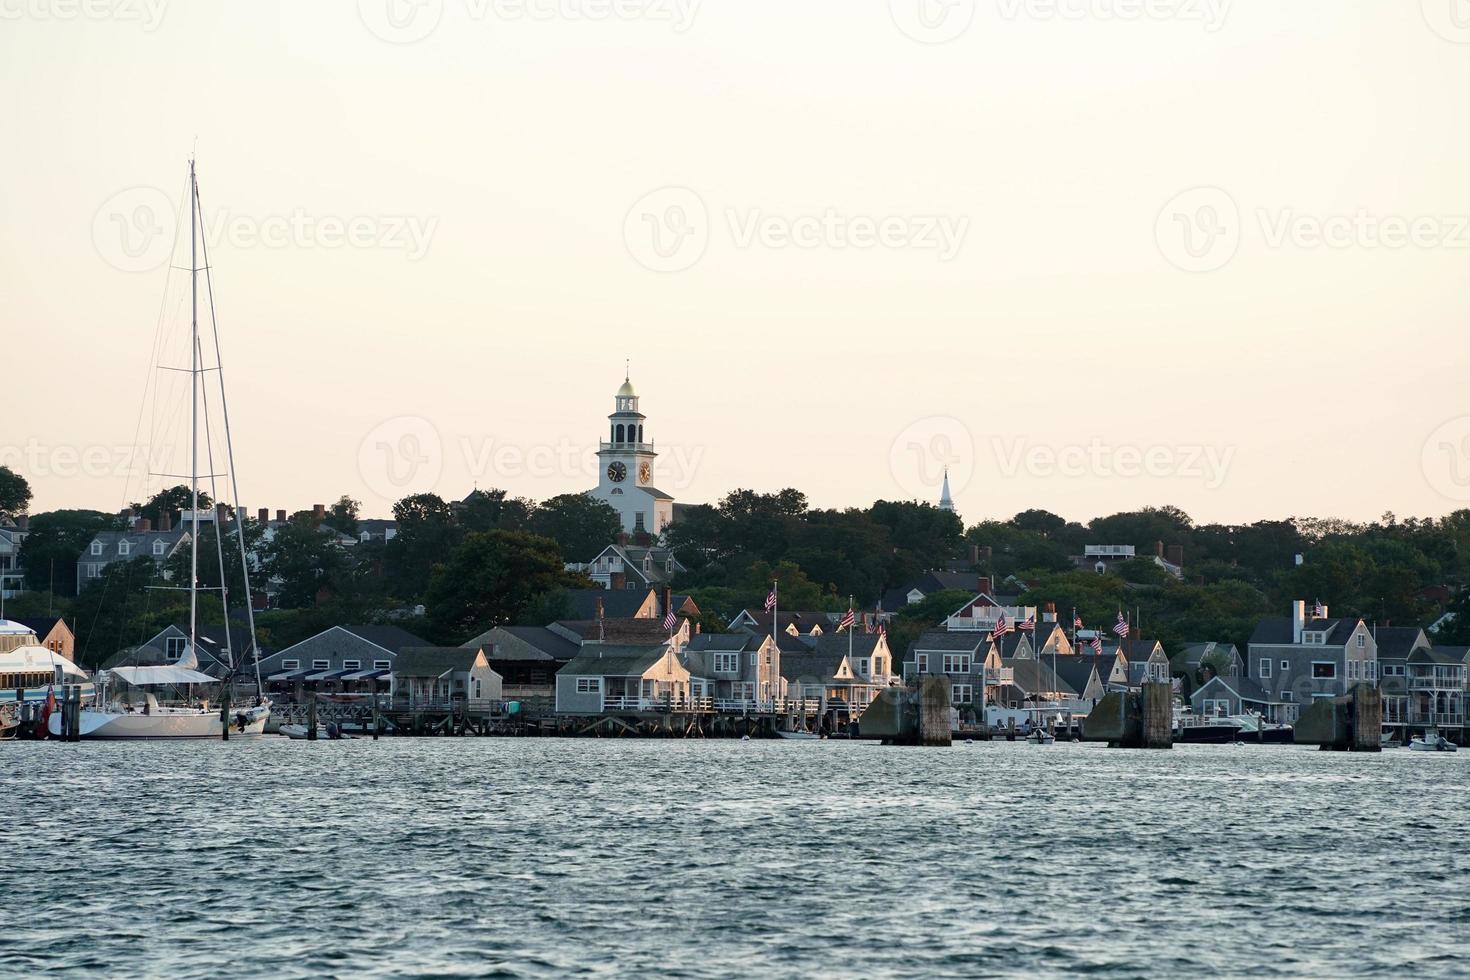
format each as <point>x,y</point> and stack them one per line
<point>1431,741</point>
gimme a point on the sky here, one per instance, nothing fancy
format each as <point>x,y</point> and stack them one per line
<point>1088,255</point>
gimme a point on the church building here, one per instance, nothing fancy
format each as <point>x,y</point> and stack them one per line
<point>625,481</point>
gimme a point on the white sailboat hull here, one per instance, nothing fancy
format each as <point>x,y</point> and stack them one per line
<point>97,724</point>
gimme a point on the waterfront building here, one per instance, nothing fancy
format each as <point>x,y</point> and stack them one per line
<point>1080,673</point>
<point>1299,658</point>
<point>212,649</point>
<point>428,675</point>
<point>985,608</point>
<point>740,667</point>
<point>626,461</point>
<point>929,583</point>
<point>1223,695</point>
<point>611,677</point>
<point>527,658</point>
<point>340,658</point>
<point>1436,687</point>
<point>1209,657</point>
<point>970,660</point>
<point>1147,662</point>
<point>812,623</point>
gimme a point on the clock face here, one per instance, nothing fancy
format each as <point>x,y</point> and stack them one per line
<point>645,472</point>
<point>617,472</point>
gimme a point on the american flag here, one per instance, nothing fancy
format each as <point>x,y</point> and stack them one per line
<point>867,624</point>
<point>1002,626</point>
<point>1319,611</point>
<point>1121,626</point>
<point>1096,645</point>
<point>1076,622</point>
<point>882,630</point>
<point>670,621</point>
<point>1028,625</point>
<point>848,618</point>
<point>771,601</point>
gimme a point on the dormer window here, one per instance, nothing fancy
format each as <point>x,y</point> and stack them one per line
<point>96,547</point>
<point>123,548</point>
<point>158,547</point>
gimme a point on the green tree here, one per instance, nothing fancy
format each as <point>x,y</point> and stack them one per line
<point>15,492</point>
<point>303,562</point>
<point>174,501</point>
<point>490,579</point>
<point>580,525</point>
<point>426,536</point>
<point>344,515</point>
<point>55,542</point>
<point>495,510</point>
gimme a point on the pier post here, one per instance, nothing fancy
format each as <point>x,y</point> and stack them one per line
<point>224,712</point>
<point>376,723</point>
<point>311,717</point>
<point>1158,716</point>
<point>75,718</point>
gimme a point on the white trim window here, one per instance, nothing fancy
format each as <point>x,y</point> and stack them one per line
<point>173,648</point>
<point>157,547</point>
<point>589,685</point>
<point>321,664</point>
<point>1285,666</point>
<point>96,547</point>
<point>1324,670</point>
<point>727,663</point>
<point>1352,670</point>
<point>1265,666</point>
<point>352,665</point>
<point>957,663</point>
<point>290,665</point>
<point>921,662</point>
<point>1362,641</point>
<point>961,694</point>
<point>382,665</point>
<point>124,548</point>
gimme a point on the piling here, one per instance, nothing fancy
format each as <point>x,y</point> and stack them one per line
<point>1133,719</point>
<point>224,712</point>
<point>311,717</point>
<point>377,725</point>
<point>1158,716</point>
<point>1353,722</point>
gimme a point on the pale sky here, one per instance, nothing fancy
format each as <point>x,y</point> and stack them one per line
<point>1094,254</point>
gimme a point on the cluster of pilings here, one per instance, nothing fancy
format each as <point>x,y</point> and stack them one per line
<point>917,715</point>
<point>1142,719</point>
<point>1351,723</point>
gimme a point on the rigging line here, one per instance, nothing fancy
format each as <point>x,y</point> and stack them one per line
<point>230,464</point>
<point>219,545</point>
<point>153,358</point>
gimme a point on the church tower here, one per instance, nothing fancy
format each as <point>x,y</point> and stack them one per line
<point>945,501</point>
<point>626,461</point>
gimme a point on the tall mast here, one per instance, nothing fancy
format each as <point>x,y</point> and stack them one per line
<point>193,411</point>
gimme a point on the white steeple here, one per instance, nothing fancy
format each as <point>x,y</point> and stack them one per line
<point>626,460</point>
<point>945,502</point>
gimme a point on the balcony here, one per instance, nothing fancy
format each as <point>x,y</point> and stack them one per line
<point>625,447</point>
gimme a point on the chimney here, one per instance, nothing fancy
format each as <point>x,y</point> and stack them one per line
<point>1174,554</point>
<point>165,521</point>
<point>668,600</point>
<point>1298,619</point>
<point>697,629</point>
<point>265,515</point>
<point>318,512</point>
<point>1159,548</point>
<point>984,584</point>
<point>280,517</point>
<point>974,554</point>
<point>622,539</point>
<point>143,526</point>
<point>1049,613</point>
<point>599,609</point>
<point>221,514</point>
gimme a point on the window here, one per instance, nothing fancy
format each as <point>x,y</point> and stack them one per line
<point>1285,666</point>
<point>352,665</point>
<point>961,694</point>
<point>1352,670</point>
<point>956,663</point>
<point>94,571</point>
<point>382,665</point>
<point>173,648</point>
<point>1324,669</point>
<point>921,662</point>
<point>1362,640</point>
<point>752,658</point>
<point>320,664</point>
<point>727,663</point>
<point>1287,696</point>
<point>123,548</point>
<point>290,665</point>
<point>862,668</point>
<point>96,547</point>
<point>158,547</point>
<point>589,685</point>
<point>1265,666</point>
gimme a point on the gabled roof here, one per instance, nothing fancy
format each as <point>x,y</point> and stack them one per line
<point>1243,688</point>
<point>613,631</point>
<point>390,638</point>
<point>862,644</point>
<point>803,620</point>
<point>724,642</point>
<point>946,641</point>
<point>433,661</point>
<point>605,660</point>
<point>40,625</point>
<point>1277,630</point>
<point>547,644</point>
<point>822,667</point>
<point>1076,670</point>
<point>616,603</point>
<point>1397,642</point>
<point>1033,676</point>
<point>1437,655</point>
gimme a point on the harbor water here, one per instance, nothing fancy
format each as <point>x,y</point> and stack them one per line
<point>524,857</point>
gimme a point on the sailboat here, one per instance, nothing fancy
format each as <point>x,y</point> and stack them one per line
<point>126,719</point>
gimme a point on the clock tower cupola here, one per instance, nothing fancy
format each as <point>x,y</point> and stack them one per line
<point>626,459</point>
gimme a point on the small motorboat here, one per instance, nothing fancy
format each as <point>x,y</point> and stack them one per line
<point>1431,741</point>
<point>330,732</point>
<point>800,736</point>
<point>1389,740</point>
<point>1041,737</point>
